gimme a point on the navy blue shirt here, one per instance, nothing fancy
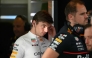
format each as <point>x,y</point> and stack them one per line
<point>69,45</point>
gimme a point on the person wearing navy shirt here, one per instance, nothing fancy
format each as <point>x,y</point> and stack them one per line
<point>69,42</point>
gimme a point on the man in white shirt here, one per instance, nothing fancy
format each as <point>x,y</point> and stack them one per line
<point>33,44</point>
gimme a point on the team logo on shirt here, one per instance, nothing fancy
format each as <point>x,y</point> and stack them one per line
<point>62,36</point>
<point>34,44</point>
<point>55,43</point>
<point>76,38</point>
<point>33,40</point>
<point>13,55</point>
<point>14,52</point>
<point>15,44</point>
<point>79,45</point>
<point>80,56</point>
<point>15,47</point>
<point>38,53</point>
<point>58,40</point>
<point>69,31</point>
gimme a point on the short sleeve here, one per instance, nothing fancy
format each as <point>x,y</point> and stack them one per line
<point>60,43</point>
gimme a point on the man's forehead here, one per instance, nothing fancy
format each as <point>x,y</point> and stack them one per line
<point>88,30</point>
<point>81,8</point>
<point>18,23</point>
<point>45,23</point>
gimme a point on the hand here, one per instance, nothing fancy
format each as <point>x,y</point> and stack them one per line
<point>51,32</point>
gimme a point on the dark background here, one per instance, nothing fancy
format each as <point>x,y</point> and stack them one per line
<point>59,16</point>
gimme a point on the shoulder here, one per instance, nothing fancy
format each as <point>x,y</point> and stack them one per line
<point>64,32</point>
<point>21,39</point>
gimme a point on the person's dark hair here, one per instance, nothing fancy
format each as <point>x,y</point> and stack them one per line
<point>23,17</point>
<point>71,7</point>
<point>27,25</point>
<point>87,26</point>
<point>43,16</point>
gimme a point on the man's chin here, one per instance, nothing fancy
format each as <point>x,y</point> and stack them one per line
<point>41,35</point>
<point>86,23</point>
<point>89,49</point>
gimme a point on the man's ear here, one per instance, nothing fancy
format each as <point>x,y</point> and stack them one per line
<point>70,17</point>
<point>34,23</point>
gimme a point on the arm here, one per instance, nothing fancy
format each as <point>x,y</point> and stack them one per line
<point>57,47</point>
<point>49,52</point>
<point>18,50</point>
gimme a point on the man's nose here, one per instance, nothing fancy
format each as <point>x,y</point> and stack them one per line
<point>86,41</point>
<point>86,15</point>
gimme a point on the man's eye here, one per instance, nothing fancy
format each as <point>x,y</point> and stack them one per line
<point>43,26</point>
<point>90,37</point>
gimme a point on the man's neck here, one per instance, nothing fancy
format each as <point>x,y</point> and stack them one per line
<point>71,24</point>
<point>34,32</point>
<point>40,38</point>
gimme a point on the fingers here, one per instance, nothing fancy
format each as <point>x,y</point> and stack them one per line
<point>52,28</point>
<point>52,31</point>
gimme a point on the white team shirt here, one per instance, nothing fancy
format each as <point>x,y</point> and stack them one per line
<point>29,46</point>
